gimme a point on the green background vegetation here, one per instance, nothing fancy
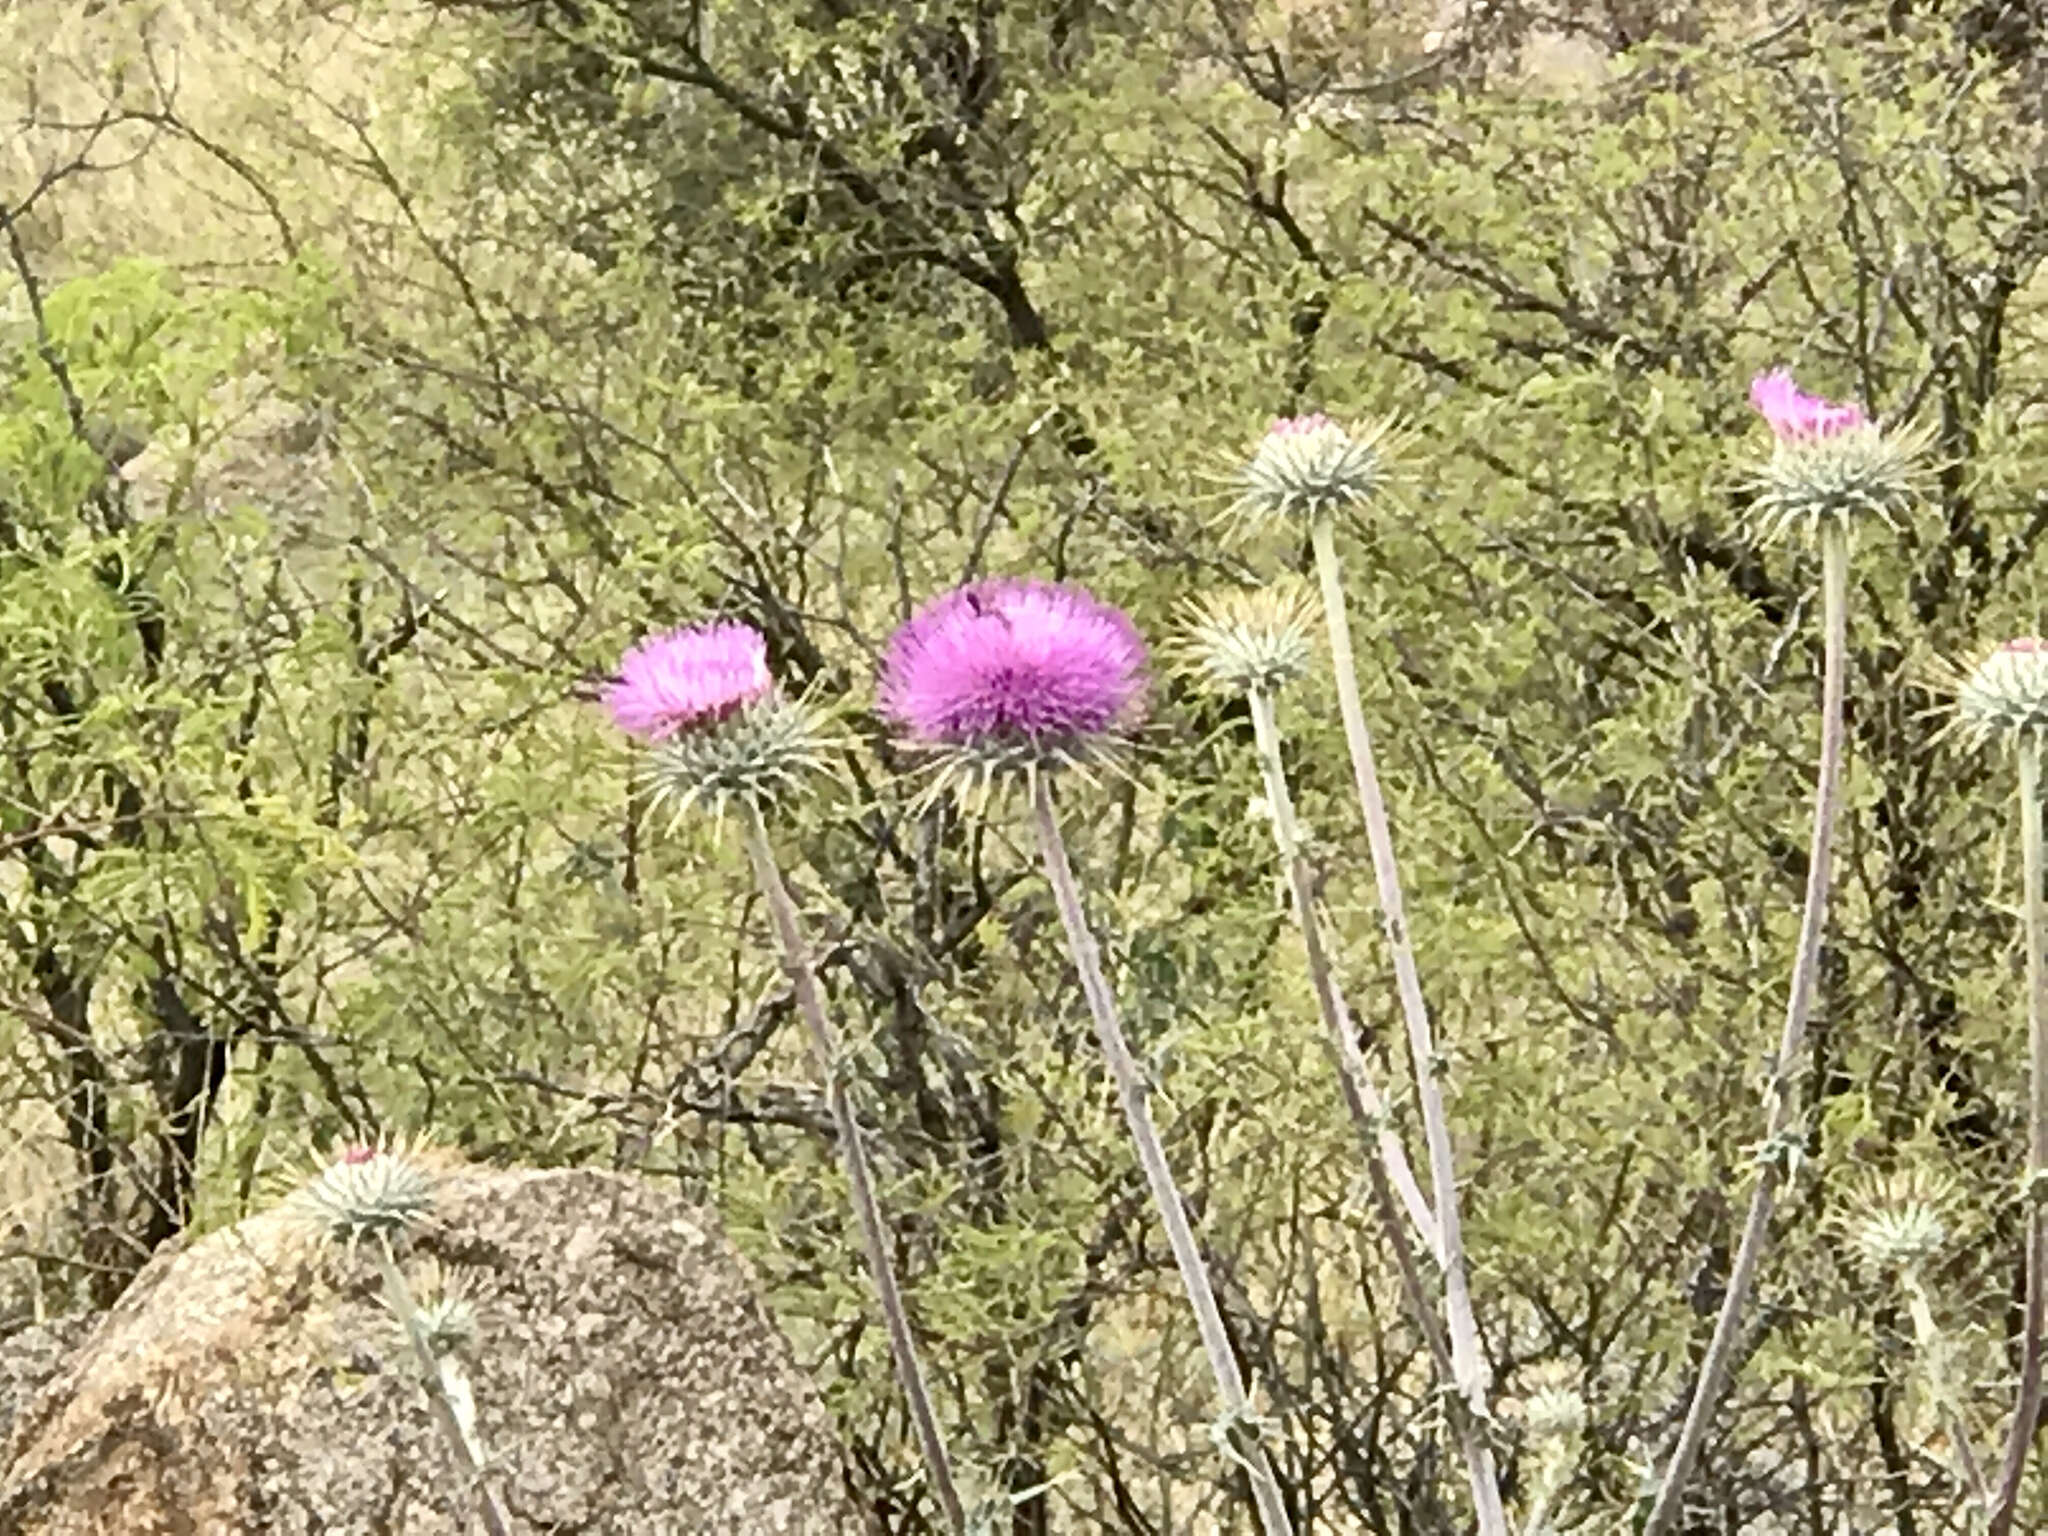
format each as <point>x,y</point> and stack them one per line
<point>468,342</point>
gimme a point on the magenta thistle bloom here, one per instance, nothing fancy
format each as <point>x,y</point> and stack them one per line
<point>1798,417</point>
<point>1299,426</point>
<point>687,677</point>
<point>1008,663</point>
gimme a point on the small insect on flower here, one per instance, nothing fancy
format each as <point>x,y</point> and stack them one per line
<point>1009,675</point>
<point>1829,463</point>
<point>365,1191</point>
<point>2003,694</point>
<point>1249,640</point>
<point>1899,1222</point>
<point>1312,467</point>
<point>718,728</point>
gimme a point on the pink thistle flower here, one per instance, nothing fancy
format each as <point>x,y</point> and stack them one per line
<point>687,677</point>
<point>1798,417</point>
<point>1004,660</point>
<point>1299,426</point>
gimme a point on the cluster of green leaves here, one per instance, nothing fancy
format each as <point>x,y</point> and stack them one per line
<point>801,312</point>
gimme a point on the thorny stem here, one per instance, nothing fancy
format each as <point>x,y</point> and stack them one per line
<point>2026,1411</point>
<point>1131,1093</point>
<point>1933,1353</point>
<point>1386,1161</point>
<point>1779,1094</point>
<point>810,1003</point>
<point>1468,1361</point>
<point>468,1454</point>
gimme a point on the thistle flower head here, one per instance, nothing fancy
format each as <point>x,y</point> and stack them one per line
<point>1829,464</point>
<point>1010,675</point>
<point>443,1310</point>
<point>1312,467</point>
<point>718,729</point>
<point>2003,694</point>
<point>688,677</point>
<point>1249,639</point>
<point>1898,1222</point>
<point>1796,416</point>
<point>365,1191</point>
<point>1550,1404</point>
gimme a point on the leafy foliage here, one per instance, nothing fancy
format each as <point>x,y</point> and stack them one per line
<point>612,315</point>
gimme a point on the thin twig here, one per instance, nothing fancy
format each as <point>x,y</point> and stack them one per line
<point>1131,1093</point>
<point>2026,1411</point>
<point>803,978</point>
<point>1775,1157</point>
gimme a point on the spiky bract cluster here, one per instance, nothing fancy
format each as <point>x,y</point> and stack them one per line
<point>2003,694</point>
<point>1004,678</point>
<point>750,757</point>
<point>1551,1406</point>
<point>445,1315</point>
<point>1830,463</point>
<point>366,1191</point>
<point>1312,467</point>
<point>1899,1222</point>
<point>1250,640</point>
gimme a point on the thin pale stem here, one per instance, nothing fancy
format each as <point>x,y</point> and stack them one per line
<point>1781,1099</point>
<point>1467,1358</point>
<point>1369,1112</point>
<point>810,1003</point>
<point>1180,1235</point>
<point>1933,1353</point>
<point>1386,1160</point>
<point>468,1455</point>
<point>2026,1411</point>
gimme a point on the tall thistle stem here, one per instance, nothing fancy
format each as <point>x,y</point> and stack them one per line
<point>1470,1372</point>
<point>1386,1160</point>
<point>2026,1412</point>
<point>803,979</point>
<point>460,1435</point>
<point>1131,1093</point>
<point>1775,1160</point>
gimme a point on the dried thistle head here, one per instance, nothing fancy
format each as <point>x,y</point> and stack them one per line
<point>1899,1222</point>
<point>366,1189</point>
<point>1248,640</point>
<point>1311,467</point>
<point>2001,695</point>
<point>1830,464</point>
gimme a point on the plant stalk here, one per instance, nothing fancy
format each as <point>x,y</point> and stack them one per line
<point>1775,1159</point>
<point>1933,1352</point>
<point>2026,1412</point>
<point>1131,1093</point>
<point>1468,1360</point>
<point>1369,1112</point>
<point>461,1439</point>
<point>803,979</point>
<point>1386,1160</point>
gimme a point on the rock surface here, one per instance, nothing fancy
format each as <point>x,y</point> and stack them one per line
<point>626,1377</point>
